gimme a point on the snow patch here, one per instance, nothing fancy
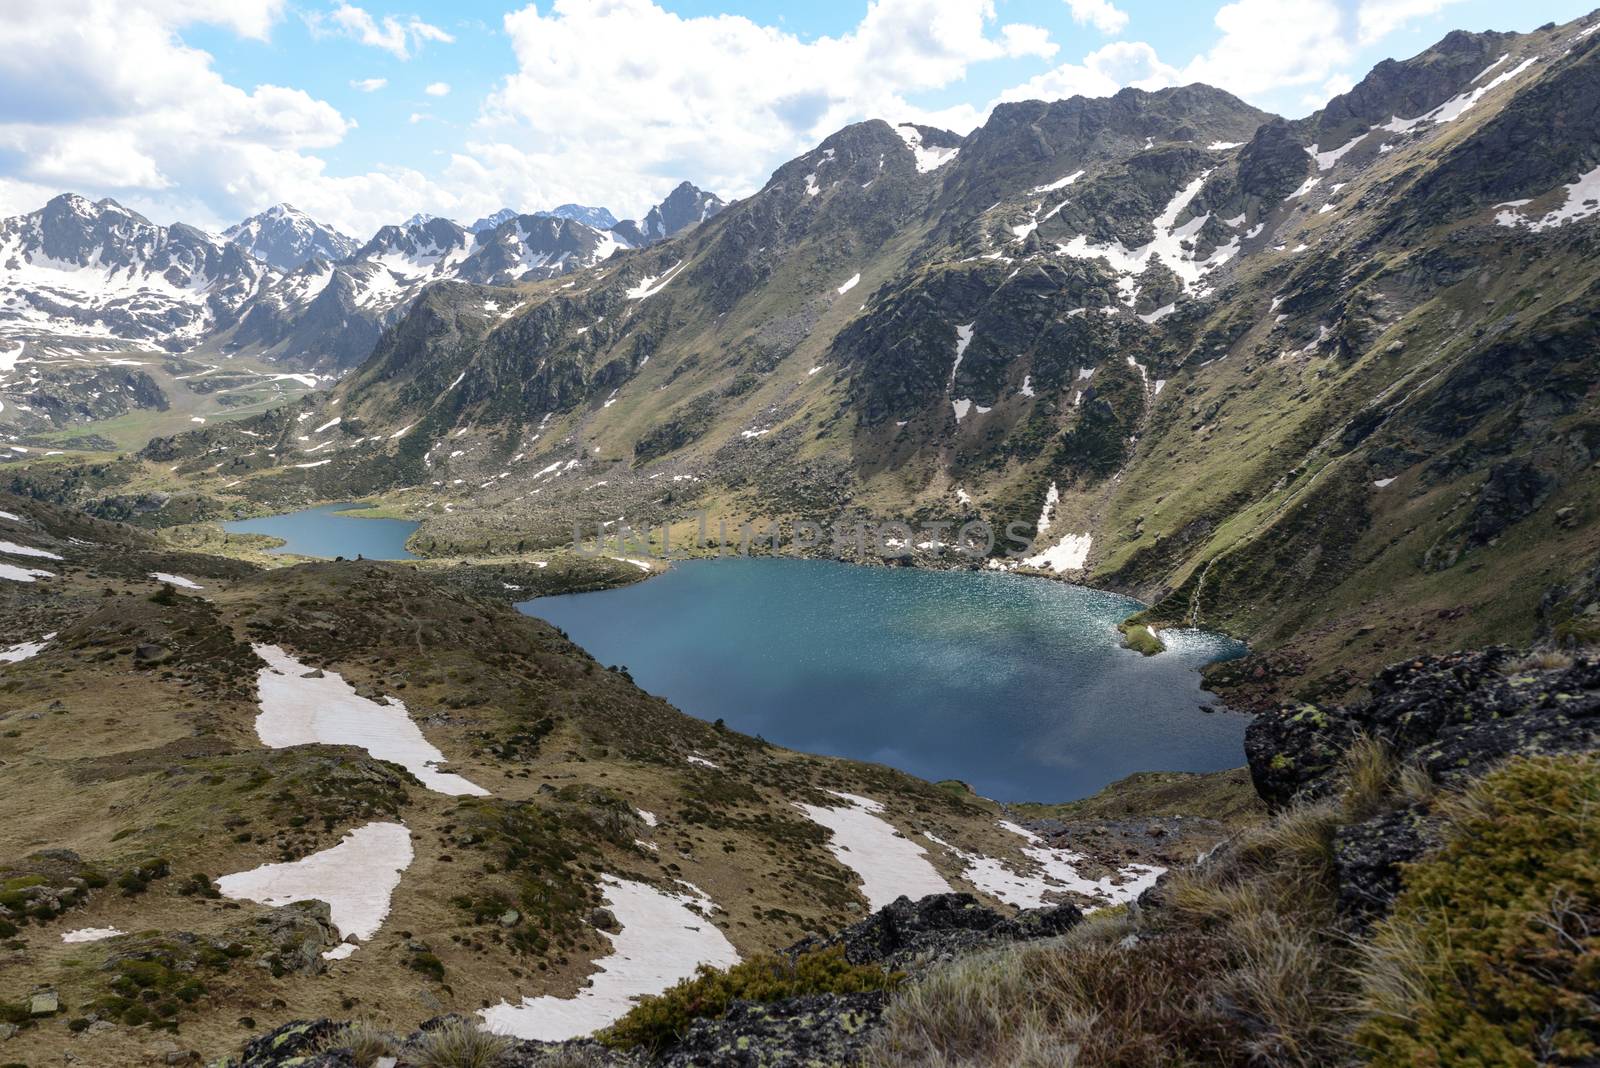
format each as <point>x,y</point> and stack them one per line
<point>888,863</point>
<point>22,651</point>
<point>664,938</point>
<point>356,878</point>
<point>1047,514</point>
<point>176,580</point>
<point>90,934</point>
<point>1068,554</point>
<point>1171,244</point>
<point>1582,200</point>
<point>1059,183</point>
<point>1326,160</point>
<point>23,574</point>
<point>1057,873</point>
<point>650,285</point>
<point>927,158</point>
<point>296,710</point>
<point>11,548</point>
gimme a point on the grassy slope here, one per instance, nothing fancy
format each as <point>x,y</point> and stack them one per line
<point>163,741</point>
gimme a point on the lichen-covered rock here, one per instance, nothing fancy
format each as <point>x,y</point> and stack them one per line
<point>1453,716</point>
<point>824,1029</point>
<point>297,935</point>
<point>1294,749</point>
<point>295,1043</point>
<point>1368,856</point>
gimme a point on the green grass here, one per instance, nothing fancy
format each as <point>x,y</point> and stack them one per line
<point>1141,639</point>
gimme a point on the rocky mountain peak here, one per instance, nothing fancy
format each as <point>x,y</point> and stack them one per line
<point>285,237</point>
<point>599,218</point>
<point>489,222</point>
<point>686,206</point>
<point>1409,87</point>
<point>1274,163</point>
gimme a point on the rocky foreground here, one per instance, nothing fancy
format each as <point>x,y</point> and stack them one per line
<point>1372,800</point>
<point>909,936</point>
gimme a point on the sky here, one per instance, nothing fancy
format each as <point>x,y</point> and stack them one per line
<point>362,112</point>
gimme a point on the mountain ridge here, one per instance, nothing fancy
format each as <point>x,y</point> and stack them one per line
<point>1132,300</point>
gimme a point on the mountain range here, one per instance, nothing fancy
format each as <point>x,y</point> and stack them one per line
<point>1260,373</point>
<point>279,283</point>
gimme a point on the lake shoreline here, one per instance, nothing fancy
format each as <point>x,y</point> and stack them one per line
<point>1027,666</point>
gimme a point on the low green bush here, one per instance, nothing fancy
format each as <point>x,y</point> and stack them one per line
<point>1491,956</point>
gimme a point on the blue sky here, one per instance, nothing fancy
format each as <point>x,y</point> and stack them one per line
<point>363,112</point>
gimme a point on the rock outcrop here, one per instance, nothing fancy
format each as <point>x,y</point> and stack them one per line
<point>1451,718</point>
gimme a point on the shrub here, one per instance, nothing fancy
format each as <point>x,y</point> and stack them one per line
<point>366,1042</point>
<point>1242,965</point>
<point>657,1021</point>
<point>459,1044</point>
<point>1491,955</point>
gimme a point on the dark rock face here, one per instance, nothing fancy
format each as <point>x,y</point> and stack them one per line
<point>294,1043</point>
<point>173,282</point>
<point>910,933</point>
<point>1295,749</point>
<point>1454,716</point>
<point>1513,491</point>
<point>684,207</point>
<point>285,237</point>
<point>1406,88</point>
<point>1367,857</point>
<point>526,248</point>
<point>1274,163</point>
<point>1543,138</point>
<point>1030,141</point>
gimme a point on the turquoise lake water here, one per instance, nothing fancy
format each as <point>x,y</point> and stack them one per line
<point>333,530</point>
<point>1015,685</point>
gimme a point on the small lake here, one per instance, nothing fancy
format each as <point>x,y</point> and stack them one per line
<point>1015,685</point>
<point>333,530</point>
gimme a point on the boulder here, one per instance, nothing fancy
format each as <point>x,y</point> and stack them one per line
<point>794,1033</point>
<point>938,927</point>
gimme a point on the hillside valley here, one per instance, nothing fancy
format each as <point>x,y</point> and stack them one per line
<point>1325,385</point>
<point>1192,660</point>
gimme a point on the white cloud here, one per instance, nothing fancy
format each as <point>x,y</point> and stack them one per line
<point>1273,44</point>
<point>401,37</point>
<point>720,99</point>
<point>1100,73</point>
<point>1376,19</point>
<point>1336,84</point>
<point>1098,13</point>
<point>1022,40</point>
<point>107,98</point>
<point>438,89</point>
<point>103,98</point>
